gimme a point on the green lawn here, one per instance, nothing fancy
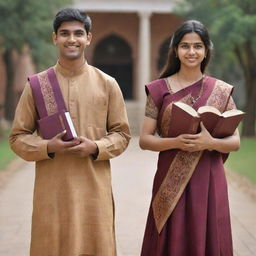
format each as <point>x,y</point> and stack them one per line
<point>6,154</point>
<point>244,160</point>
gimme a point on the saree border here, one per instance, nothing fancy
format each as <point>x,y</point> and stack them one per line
<point>173,185</point>
<point>184,164</point>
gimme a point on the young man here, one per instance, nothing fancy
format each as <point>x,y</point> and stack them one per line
<point>73,207</point>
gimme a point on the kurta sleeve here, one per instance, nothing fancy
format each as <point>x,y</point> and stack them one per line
<point>118,132</point>
<point>23,139</point>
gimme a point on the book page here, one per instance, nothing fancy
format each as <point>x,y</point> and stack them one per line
<point>70,123</point>
<point>232,112</point>
<point>210,109</point>
<point>186,108</point>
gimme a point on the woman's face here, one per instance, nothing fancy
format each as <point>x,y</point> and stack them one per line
<point>191,51</point>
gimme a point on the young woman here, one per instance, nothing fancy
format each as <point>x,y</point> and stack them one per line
<point>189,212</point>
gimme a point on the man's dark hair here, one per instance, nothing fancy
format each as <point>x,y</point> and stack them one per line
<point>72,14</point>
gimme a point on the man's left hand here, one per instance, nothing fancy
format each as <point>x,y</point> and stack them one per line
<point>85,148</point>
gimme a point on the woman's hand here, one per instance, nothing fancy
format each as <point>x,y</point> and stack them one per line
<point>195,142</point>
<point>204,140</point>
<point>186,142</point>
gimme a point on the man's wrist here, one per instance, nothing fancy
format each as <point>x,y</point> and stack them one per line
<point>49,147</point>
<point>50,153</point>
<point>96,153</point>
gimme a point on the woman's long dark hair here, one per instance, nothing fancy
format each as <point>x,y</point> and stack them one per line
<point>172,65</point>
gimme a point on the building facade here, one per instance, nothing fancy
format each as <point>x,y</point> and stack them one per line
<point>130,43</point>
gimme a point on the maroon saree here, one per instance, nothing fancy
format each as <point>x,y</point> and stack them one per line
<point>189,211</point>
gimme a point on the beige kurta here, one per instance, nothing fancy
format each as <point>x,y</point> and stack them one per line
<point>73,207</point>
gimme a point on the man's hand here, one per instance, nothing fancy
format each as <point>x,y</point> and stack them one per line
<point>57,145</point>
<point>86,147</point>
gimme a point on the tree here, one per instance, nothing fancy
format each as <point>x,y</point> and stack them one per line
<point>232,25</point>
<point>26,22</point>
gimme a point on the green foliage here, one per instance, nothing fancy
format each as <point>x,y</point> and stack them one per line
<point>231,24</point>
<point>244,161</point>
<point>232,27</point>
<point>5,152</point>
<point>29,21</point>
<point>230,20</point>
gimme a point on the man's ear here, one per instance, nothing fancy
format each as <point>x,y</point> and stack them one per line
<point>54,38</point>
<point>89,38</point>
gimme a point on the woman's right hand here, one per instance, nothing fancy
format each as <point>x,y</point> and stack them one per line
<point>149,141</point>
<point>183,142</point>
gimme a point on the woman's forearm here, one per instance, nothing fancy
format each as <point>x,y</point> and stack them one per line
<point>153,143</point>
<point>226,145</point>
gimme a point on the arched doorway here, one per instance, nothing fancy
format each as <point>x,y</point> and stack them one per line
<point>162,54</point>
<point>113,55</point>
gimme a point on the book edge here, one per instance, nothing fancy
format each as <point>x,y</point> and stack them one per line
<point>71,125</point>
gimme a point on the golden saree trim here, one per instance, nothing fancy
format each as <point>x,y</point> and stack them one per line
<point>48,94</point>
<point>151,109</point>
<point>184,163</point>
<point>220,95</point>
<point>173,185</point>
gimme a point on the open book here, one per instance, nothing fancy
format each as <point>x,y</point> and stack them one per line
<point>186,120</point>
<point>56,123</point>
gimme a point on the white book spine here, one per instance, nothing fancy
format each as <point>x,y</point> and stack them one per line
<point>70,123</point>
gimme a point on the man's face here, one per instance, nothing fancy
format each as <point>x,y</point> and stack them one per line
<point>71,39</point>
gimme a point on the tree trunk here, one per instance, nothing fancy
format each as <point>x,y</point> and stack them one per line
<point>248,62</point>
<point>250,109</point>
<point>9,92</point>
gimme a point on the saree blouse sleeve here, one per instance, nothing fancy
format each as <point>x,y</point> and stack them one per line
<point>155,91</point>
<point>151,110</point>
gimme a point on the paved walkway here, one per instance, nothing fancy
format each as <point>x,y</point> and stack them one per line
<point>132,180</point>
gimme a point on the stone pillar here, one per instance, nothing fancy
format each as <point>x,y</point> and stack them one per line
<point>144,65</point>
